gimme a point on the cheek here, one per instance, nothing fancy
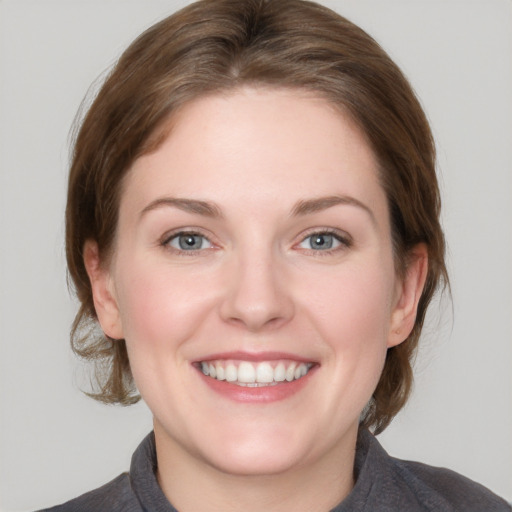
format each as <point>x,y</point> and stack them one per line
<point>354,306</point>
<point>352,316</point>
<point>160,306</point>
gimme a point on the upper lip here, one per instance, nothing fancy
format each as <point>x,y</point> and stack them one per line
<point>255,357</point>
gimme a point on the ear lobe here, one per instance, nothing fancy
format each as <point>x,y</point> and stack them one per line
<point>105,302</point>
<point>409,292</point>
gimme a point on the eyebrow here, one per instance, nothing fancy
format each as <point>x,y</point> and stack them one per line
<point>309,206</point>
<point>302,207</point>
<point>187,205</point>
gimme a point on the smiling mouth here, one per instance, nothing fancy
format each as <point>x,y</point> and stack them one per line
<point>248,374</point>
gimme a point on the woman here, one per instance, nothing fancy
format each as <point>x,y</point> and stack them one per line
<point>253,220</point>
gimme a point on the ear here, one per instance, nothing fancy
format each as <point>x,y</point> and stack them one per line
<point>105,302</point>
<point>408,293</point>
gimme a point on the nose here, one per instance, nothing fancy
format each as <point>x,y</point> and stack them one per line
<point>258,294</point>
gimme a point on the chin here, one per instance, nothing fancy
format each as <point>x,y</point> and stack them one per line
<point>257,451</point>
<point>256,461</point>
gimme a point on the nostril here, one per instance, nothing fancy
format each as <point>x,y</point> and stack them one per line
<point>255,296</point>
<point>255,323</point>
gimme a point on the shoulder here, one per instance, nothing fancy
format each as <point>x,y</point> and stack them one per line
<point>388,484</point>
<point>115,496</point>
<point>439,487</point>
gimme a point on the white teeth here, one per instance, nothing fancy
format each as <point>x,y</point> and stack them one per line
<point>249,374</point>
<point>231,373</point>
<point>246,372</point>
<point>300,371</point>
<point>264,373</point>
<point>280,373</point>
<point>221,373</point>
<point>290,372</point>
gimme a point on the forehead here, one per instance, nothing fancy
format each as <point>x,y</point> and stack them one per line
<point>257,144</point>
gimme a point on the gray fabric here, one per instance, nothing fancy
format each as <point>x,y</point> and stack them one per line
<point>383,484</point>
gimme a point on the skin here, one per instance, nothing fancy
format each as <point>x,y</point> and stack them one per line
<point>256,285</point>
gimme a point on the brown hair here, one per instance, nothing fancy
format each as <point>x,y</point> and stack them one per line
<point>216,45</point>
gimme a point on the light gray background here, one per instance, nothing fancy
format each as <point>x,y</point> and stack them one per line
<point>55,443</point>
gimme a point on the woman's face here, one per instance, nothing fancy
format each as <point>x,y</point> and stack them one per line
<point>253,281</point>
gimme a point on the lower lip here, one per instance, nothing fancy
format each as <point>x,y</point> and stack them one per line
<point>262,394</point>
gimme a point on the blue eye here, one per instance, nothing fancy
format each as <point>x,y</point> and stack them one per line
<point>189,242</point>
<point>321,242</point>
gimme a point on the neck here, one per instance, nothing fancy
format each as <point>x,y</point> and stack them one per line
<point>191,484</point>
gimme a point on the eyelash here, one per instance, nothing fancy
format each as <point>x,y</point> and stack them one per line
<point>344,241</point>
<point>167,239</point>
